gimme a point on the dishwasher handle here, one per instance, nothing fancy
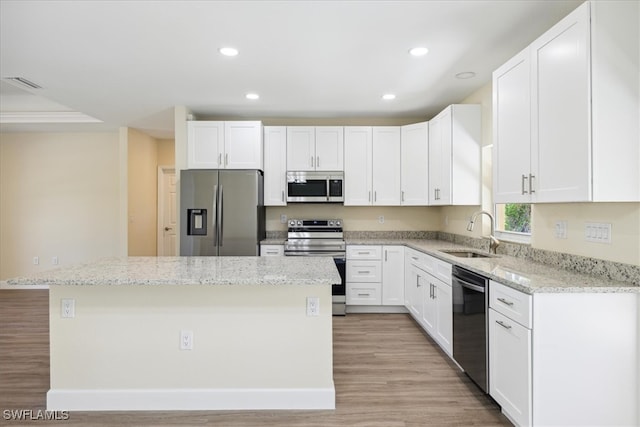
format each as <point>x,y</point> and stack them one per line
<point>468,285</point>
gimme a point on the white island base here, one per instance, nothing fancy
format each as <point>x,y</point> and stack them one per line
<point>254,347</point>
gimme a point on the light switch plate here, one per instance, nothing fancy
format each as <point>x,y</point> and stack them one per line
<point>597,232</point>
<point>561,229</point>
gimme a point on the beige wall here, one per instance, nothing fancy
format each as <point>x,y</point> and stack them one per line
<point>145,154</point>
<point>624,217</point>
<point>360,218</point>
<point>59,196</point>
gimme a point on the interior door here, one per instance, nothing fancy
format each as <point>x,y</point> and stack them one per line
<point>168,212</point>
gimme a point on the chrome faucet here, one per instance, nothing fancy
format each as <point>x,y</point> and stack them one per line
<point>494,243</point>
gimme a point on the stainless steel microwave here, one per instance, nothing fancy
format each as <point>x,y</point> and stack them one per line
<point>303,186</point>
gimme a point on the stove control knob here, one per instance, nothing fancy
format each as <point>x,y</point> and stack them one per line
<point>292,223</point>
<point>338,224</point>
<point>299,223</point>
<point>330,223</point>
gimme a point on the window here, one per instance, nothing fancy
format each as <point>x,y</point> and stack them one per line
<point>513,221</point>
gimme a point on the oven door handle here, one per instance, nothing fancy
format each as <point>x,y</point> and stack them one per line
<point>468,285</point>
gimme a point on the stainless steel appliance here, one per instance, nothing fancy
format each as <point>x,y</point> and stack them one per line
<point>221,212</point>
<point>321,237</point>
<point>470,343</point>
<point>303,186</point>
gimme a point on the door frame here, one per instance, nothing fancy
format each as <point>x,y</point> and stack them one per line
<point>162,170</point>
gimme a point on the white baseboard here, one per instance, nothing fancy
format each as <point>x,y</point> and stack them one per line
<point>190,399</point>
<point>376,309</point>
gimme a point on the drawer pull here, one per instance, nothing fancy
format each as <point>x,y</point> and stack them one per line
<point>501,323</point>
<point>504,301</point>
<point>363,272</point>
<point>364,253</point>
<point>363,295</point>
<point>272,252</point>
<point>415,258</point>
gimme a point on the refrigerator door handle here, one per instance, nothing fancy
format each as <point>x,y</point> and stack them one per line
<point>220,222</point>
<point>215,215</point>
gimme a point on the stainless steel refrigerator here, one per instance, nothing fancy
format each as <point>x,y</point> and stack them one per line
<point>221,212</point>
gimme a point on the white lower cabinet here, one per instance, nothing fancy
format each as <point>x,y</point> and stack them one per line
<point>271,250</point>
<point>375,275</point>
<point>564,358</point>
<point>428,298</point>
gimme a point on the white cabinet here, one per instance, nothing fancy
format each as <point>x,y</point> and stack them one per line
<point>414,151</point>
<point>372,165</point>
<point>275,165</point>
<point>271,250</point>
<point>375,275</point>
<point>311,148</point>
<point>224,145</point>
<point>510,352</point>
<point>428,296</point>
<point>455,156</point>
<point>393,275</point>
<point>364,275</point>
<point>583,104</point>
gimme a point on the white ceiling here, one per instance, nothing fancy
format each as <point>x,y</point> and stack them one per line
<point>128,63</point>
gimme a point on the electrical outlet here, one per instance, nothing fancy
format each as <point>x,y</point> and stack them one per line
<point>36,260</point>
<point>54,260</point>
<point>381,219</point>
<point>68,308</point>
<point>313,306</point>
<point>283,219</point>
<point>561,229</point>
<point>186,340</point>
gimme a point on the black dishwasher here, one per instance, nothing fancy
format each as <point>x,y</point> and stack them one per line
<point>470,344</point>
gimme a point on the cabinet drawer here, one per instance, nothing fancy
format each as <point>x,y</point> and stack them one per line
<point>364,252</point>
<point>420,260</point>
<point>364,294</point>
<point>364,271</point>
<point>514,304</point>
<point>271,250</point>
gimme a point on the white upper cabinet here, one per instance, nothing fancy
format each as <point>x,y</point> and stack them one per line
<point>358,152</point>
<point>455,156</point>
<point>311,148</point>
<point>512,130</point>
<point>372,165</point>
<point>275,165</point>
<point>329,148</point>
<point>414,151</point>
<point>205,145</point>
<point>224,145</point>
<point>584,104</point>
<point>386,165</point>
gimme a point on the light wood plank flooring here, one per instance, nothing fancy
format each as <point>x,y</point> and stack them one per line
<point>387,373</point>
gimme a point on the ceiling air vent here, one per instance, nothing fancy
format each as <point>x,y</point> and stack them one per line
<point>23,82</point>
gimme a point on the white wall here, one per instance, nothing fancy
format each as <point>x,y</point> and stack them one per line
<point>59,196</point>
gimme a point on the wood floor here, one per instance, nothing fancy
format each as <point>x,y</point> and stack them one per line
<point>387,373</point>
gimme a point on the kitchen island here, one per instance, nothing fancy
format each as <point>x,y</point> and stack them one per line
<point>191,333</point>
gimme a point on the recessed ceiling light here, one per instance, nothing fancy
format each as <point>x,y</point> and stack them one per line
<point>418,51</point>
<point>252,96</point>
<point>388,96</point>
<point>465,75</point>
<point>228,51</point>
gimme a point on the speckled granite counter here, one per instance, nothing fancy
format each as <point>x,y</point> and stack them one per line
<point>191,271</point>
<point>518,273</point>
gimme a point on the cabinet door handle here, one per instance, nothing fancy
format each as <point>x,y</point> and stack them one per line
<point>504,301</point>
<point>403,196</point>
<point>531,190</point>
<point>369,196</point>
<point>435,292</point>
<point>385,255</point>
<point>226,159</point>
<point>418,281</point>
<point>524,178</point>
<point>375,196</point>
<point>501,323</point>
<point>312,161</point>
<point>219,159</point>
<point>283,195</point>
<point>318,161</point>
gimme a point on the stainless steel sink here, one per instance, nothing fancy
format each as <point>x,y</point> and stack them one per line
<point>466,254</point>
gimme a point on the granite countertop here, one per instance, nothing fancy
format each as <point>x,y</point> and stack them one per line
<point>518,273</point>
<point>191,271</point>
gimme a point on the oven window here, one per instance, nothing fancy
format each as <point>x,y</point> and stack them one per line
<point>313,187</point>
